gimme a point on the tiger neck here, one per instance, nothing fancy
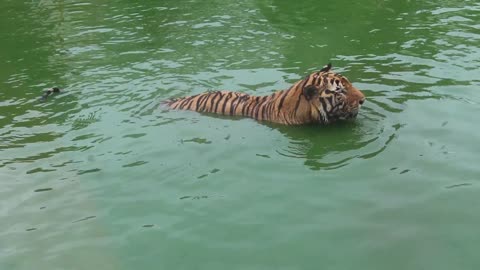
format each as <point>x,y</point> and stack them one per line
<point>281,107</point>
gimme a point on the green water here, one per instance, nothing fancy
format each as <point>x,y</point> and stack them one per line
<point>100,177</point>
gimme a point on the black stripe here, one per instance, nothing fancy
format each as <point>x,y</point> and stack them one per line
<point>226,101</point>
<point>200,101</point>
<point>271,105</point>
<point>297,104</point>
<point>271,109</point>
<point>205,101</point>
<point>247,111</point>
<point>265,110</point>
<point>174,104</point>
<point>251,107</point>
<point>244,107</point>
<point>282,98</point>
<point>262,106</point>
<point>183,102</point>
<point>315,82</point>
<point>191,102</point>
<point>257,109</point>
<point>197,105</point>
<point>232,108</point>
<point>213,99</point>
<point>295,85</point>
<point>187,106</point>
<point>305,83</point>
<point>219,101</point>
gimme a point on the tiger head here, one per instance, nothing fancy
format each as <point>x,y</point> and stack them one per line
<point>332,96</point>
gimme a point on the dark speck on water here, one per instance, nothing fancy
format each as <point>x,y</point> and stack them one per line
<point>42,189</point>
<point>83,219</point>
<point>459,185</point>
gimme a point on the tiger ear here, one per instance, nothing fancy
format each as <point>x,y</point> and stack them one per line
<point>326,68</point>
<point>309,91</point>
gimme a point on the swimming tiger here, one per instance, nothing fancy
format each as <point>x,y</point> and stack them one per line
<point>322,97</point>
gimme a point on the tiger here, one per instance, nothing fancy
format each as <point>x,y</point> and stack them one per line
<point>322,97</point>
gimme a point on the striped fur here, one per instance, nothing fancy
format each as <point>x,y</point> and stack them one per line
<point>322,97</point>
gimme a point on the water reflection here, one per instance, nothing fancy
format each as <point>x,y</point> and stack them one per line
<point>336,145</point>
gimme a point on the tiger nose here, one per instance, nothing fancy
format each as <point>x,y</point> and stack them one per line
<point>361,101</point>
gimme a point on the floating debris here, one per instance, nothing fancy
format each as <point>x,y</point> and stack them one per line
<point>83,219</point>
<point>459,185</point>
<point>49,92</point>
<point>43,189</point>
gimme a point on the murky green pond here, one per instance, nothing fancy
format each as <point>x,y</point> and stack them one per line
<point>100,177</point>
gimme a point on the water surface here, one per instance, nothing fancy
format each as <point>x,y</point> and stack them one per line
<point>100,177</point>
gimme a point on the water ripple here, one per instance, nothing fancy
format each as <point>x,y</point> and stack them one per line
<point>101,167</point>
